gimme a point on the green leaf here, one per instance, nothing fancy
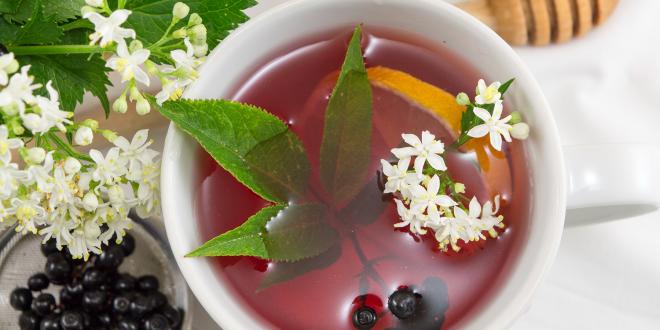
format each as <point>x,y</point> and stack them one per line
<point>9,6</point>
<point>38,30</point>
<point>299,232</point>
<point>72,75</point>
<point>285,271</point>
<point>252,144</point>
<point>7,32</point>
<point>63,10</point>
<point>346,145</point>
<point>150,18</point>
<point>60,10</point>
<point>280,233</point>
<point>506,85</point>
<point>245,240</point>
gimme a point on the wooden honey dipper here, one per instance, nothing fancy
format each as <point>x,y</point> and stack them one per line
<point>540,22</point>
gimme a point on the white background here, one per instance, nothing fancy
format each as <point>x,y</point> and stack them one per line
<point>604,88</point>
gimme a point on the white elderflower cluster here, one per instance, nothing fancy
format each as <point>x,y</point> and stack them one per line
<point>48,188</point>
<point>488,106</point>
<point>427,198</point>
<point>173,59</point>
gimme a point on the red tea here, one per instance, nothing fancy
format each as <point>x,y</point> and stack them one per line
<point>373,258</point>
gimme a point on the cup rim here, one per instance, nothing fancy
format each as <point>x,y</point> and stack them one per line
<point>503,307</point>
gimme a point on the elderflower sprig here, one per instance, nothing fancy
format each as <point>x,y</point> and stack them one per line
<point>485,117</point>
<point>173,59</point>
<point>428,199</point>
<point>50,189</point>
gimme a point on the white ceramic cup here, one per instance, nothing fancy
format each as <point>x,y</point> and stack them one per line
<point>602,182</point>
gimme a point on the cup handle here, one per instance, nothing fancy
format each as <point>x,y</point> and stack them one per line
<point>611,182</point>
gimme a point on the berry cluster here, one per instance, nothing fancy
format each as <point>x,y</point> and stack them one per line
<point>94,295</point>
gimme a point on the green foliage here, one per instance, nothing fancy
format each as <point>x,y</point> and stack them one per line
<point>281,233</point>
<point>72,75</point>
<point>151,18</point>
<point>252,144</point>
<point>346,145</point>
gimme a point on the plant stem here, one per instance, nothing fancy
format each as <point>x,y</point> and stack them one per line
<point>121,4</point>
<point>56,49</point>
<point>80,23</point>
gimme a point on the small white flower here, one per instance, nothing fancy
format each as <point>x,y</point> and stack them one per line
<point>520,131</point>
<point>428,149</point>
<point>110,168</point>
<point>108,29</point>
<point>469,220</point>
<point>396,175</point>
<point>116,195</point>
<point>201,50</point>
<point>489,218</point>
<point>36,155</point>
<point>148,190</point>
<point>128,64</point>
<point>50,109</point>
<point>448,231</point>
<point>19,90</point>
<point>29,213</point>
<point>59,228</point>
<point>85,240</point>
<point>172,90</point>
<point>6,144</point>
<point>72,166</point>
<point>185,62</point>
<point>488,94</point>
<point>10,177</point>
<point>8,65</point>
<point>493,125</point>
<point>84,136</point>
<point>63,189</point>
<point>117,222</point>
<point>428,199</point>
<point>409,217</point>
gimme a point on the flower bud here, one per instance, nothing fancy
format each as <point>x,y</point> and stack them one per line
<point>520,131</point>
<point>180,33</point>
<point>72,165</point>
<point>515,118</point>
<point>109,135</point>
<point>120,104</point>
<point>151,67</point>
<point>94,3</point>
<point>115,194</point>
<point>16,127</point>
<point>200,50</point>
<point>12,67</point>
<point>462,99</point>
<point>180,10</point>
<point>90,201</point>
<point>84,136</point>
<point>10,109</point>
<point>194,19</point>
<point>197,34</point>
<point>135,45</point>
<point>459,188</point>
<point>35,155</point>
<point>86,10</point>
<point>142,107</point>
<point>91,123</point>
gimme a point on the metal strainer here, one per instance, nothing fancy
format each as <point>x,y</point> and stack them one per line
<point>20,257</point>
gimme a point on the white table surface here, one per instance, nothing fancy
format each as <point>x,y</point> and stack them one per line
<point>605,276</point>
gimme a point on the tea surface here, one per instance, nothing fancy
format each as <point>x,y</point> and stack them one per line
<point>373,258</point>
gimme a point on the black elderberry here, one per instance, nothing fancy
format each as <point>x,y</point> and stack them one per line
<point>20,299</point>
